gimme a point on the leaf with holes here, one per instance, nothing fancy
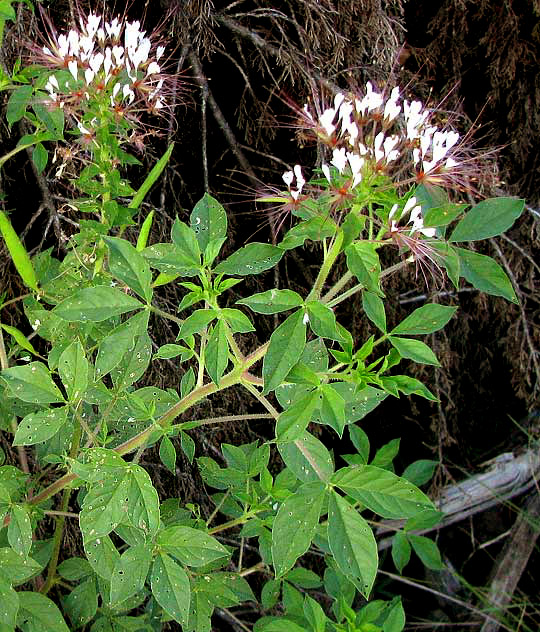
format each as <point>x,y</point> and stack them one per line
<point>127,264</point>
<point>170,587</point>
<point>134,363</point>
<point>381,491</point>
<point>73,370</point>
<point>191,547</point>
<point>38,427</point>
<point>171,261</point>
<point>352,543</point>
<point>96,304</point>
<point>15,568</point>
<point>286,346</point>
<point>32,383</point>
<point>129,573</point>
<point>295,524</point>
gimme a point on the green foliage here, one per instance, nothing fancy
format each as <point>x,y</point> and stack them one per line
<point>90,415</point>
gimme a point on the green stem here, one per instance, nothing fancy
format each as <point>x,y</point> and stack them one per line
<point>236,376</point>
<point>328,262</point>
<point>335,289</point>
<point>59,530</point>
<point>160,312</point>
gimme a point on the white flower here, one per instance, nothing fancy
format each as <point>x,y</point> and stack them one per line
<point>371,101</point>
<point>326,120</point>
<point>153,68</point>
<point>392,109</point>
<point>339,159</point>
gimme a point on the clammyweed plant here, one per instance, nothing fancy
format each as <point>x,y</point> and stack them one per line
<point>149,560</point>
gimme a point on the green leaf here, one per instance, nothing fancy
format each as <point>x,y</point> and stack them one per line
<point>285,348</point>
<point>82,602</point>
<point>102,556</point>
<point>381,491</point>
<point>96,304</point>
<point>143,504</point>
<point>425,320</point>
<point>314,614</point>
<point>129,573</point>
<point>386,453</point>
<point>272,301</point>
<point>18,252</point>
<point>7,12</point>
<point>251,259</point>
<point>401,551</point>
<point>134,363</point>
<point>74,569</point>
<point>15,568</point>
<point>119,342</point>
<point>237,320</point>
<point>32,383</point>
<point>73,371</point>
<point>412,386</point>
<point>488,218</point>
<point>352,543</point>
<point>151,178</point>
<point>485,274</point>
<point>322,320</point>
<point>170,587</point>
<point>395,620</point>
<point>332,409</point>
<point>144,233</point>
<point>10,604</point>
<point>184,237</point>
<point>167,454</point>
<point>295,524</point>
<point>427,551</point>
<point>314,229</point>
<point>17,103</point>
<point>308,458</point>
<point>40,426</point>
<point>20,338</point>
<point>363,262</point>
<point>195,322</point>
<point>293,422</point>
<point>414,350</point>
<point>217,353</point>
<point>37,612</point>
<point>374,308</point>
<point>360,441</point>
<point>40,157</point>
<point>270,593</point>
<point>420,472</point>
<point>443,215</point>
<point>104,507</point>
<point>303,577</point>
<point>127,264</point>
<point>208,221</point>
<point>19,531</point>
<point>170,261</point>
<point>191,547</point>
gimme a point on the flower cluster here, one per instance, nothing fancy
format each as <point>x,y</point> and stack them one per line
<point>373,135</point>
<point>112,62</point>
